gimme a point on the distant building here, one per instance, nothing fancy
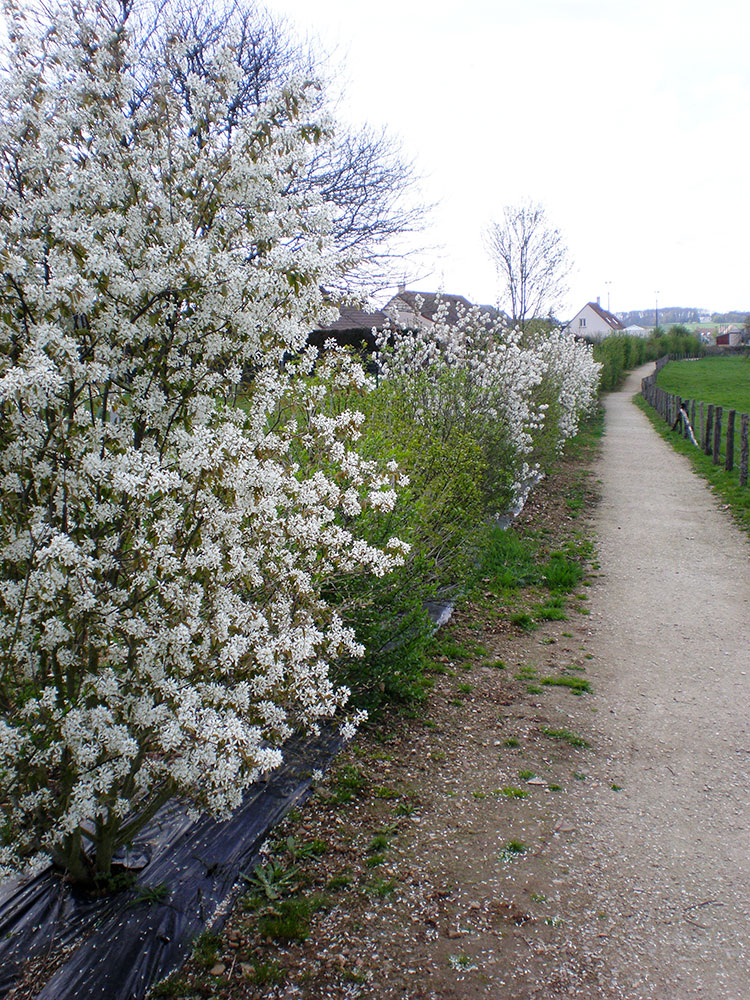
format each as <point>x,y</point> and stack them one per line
<point>594,323</point>
<point>636,331</point>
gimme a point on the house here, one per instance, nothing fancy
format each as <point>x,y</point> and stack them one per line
<point>594,323</point>
<point>353,328</point>
<point>414,310</point>
<point>730,337</point>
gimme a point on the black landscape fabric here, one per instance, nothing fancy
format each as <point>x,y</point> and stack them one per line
<point>117,947</point>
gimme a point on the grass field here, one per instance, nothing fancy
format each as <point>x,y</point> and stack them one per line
<point>721,381</point>
<point>724,382</point>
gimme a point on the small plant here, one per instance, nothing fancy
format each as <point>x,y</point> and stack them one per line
<point>290,920</point>
<point>533,689</point>
<point>616,788</point>
<point>524,621</point>
<point>576,684</point>
<point>206,949</point>
<point>383,792</point>
<point>525,673</point>
<point>562,573</point>
<point>375,860</point>
<point>150,894</point>
<point>525,775</point>
<point>299,851</point>
<point>338,882</point>
<point>554,788</point>
<point>349,782</point>
<point>405,809</point>
<point>264,973</point>
<point>495,664</point>
<point>511,742</point>
<point>171,988</point>
<point>273,880</point>
<point>579,776</point>
<point>512,850</point>
<point>465,688</point>
<point>378,843</point>
<point>510,792</point>
<point>462,963</point>
<point>479,795</point>
<point>381,887</point>
<point>457,702</point>
<point>566,736</point>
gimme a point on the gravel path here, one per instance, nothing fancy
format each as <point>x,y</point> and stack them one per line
<point>670,865</point>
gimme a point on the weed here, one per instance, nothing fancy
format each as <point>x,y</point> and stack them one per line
<point>508,561</point>
<point>348,782</point>
<point>381,887</point>
<point>579,776</point>
<point>273,880</point>
<point>457,702</point>
<point>290,920</point>
<point>616,788</point>
<point>268,973</point>
<point>338,882</point>
<point>439,756</point>
<point>171,988</point>
<point>479,795</point>
<point>405,808</point>
<point>495,664</point>
<point>378,843</point>
<point>562,573</point>
<point>576,684</point>
<point>554,788</point>
<point>524,621</point>
<point>566,736</point>
<point>533,689</point>
<point>375,860</point>
<point>512,850</point>
<point>383,792</point>
<point>513,793</point>
<point>525,775</point>
<point>206,949</point>
<point>151,894</point>
<point>465,688</point>
<point>511,742</point>
<point>299,851</point>
<point>538,897</point>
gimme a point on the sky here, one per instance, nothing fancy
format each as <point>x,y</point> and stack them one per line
<point>627,120</point>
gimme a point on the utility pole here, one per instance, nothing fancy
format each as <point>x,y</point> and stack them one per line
<point>656,293</point>
<point>608,285</point>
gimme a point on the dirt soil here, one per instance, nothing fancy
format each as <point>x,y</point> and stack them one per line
<point>516,840</point>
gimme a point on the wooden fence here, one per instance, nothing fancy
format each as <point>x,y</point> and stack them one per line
<point>703,422</point>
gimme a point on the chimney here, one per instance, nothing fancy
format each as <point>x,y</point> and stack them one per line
<point>598,301</point>
<point>402,288</point>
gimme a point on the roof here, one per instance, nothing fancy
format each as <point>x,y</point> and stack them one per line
<point>430,301</point>
<point>610,319</point>
<point>351,318</point>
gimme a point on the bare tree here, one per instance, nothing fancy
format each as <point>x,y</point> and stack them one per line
<point>364,175</point>
<point>532,262</point>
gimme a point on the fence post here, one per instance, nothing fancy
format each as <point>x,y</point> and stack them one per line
<point>718,410</point>
<point>743,449</point>
<point>729,463</point>
<point>702,438</point>
<point>707,445</point>
<point>692,414</point>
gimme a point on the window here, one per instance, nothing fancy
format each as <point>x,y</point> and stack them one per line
<point>581,322</point>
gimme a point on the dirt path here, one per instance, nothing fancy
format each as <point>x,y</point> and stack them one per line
<point>671,864</point>
<point>515,841</point>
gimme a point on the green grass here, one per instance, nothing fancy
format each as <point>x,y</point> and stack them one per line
<point>507,561</point>
<point>721,381</point>
<point>725,485</point>
<point>576,684</point>
<point>566,736</point>
<point>510,792</point>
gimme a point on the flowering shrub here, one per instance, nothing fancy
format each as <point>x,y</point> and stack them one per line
<point>175,492</point>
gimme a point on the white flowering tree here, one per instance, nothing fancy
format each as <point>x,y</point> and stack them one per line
<point>175,492</point>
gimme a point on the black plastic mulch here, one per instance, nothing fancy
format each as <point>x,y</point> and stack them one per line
<point>121,945</point>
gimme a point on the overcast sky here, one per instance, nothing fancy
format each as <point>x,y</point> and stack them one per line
<point>628,120</point>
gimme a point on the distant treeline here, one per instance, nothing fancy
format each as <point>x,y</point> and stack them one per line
<point>678,314</point>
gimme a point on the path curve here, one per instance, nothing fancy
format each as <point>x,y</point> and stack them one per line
<point>670,622</point>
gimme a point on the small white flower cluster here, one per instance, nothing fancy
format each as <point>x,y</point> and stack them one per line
<point>164,541</point>
<point>481,372</point>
